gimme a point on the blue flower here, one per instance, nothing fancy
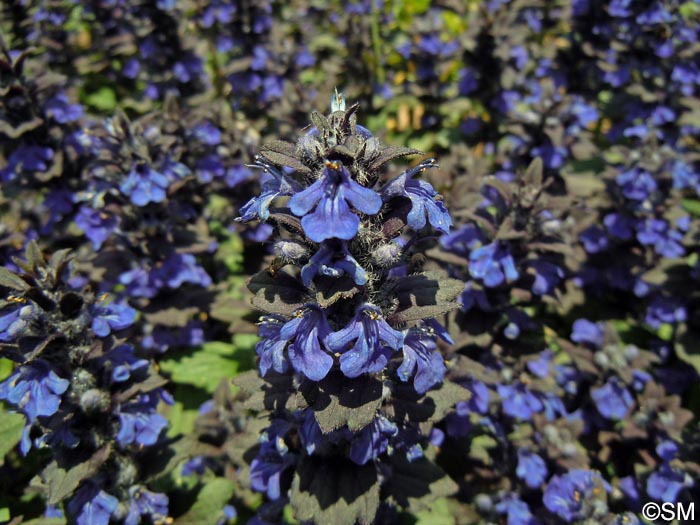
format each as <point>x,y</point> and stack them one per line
<point>210,167</point>
<point>657,233</point>
<point>518,401</point>
<point>26,159</point>
<point>420,355</point>
<point>612,400</point>
<point>665,310</point>
<point>636,184</point>
<point>333,261</point>
<point>331,196</point>
<point>180,268</point>
<point>372,441</point>
<point>667,450</point>
<point>139,283</point>
<point>619,225</point>
<point>665,484</point>
<point>207,133</point>
<point>493,264</point>
<point>594,239</point>
<point>310,433</point>
<point>125,363</point>
<point>268,466</point>
<point>374,342</point>
<point>97,225</point>
<point>542,364</point>
<point>61,110</point>
<point>143,502</point>
<point>139,422</point>
<point>422,196</point>
<point>547,276</point>
<point>517,511</point>
<point>35,389</point>
<point>531,468</point>
<point>576,495</point>
<point>12,322</point>
<point>271,346</point>
<point>585,331</point>
<point>143,184</point>
<point>92,505</point>
<point>309,329</point>
<point>274,184</point>
<point>108,317</point>
<point>229,515</point>
<point>463,240</point>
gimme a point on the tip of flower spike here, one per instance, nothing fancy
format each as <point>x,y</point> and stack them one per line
<point>337,101</point>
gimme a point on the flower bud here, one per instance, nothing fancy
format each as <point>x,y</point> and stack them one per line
<point>291,252</point>
<point>94,401</point>
<point>386,254</point>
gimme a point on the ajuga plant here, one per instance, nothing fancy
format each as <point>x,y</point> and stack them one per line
<point>349,357</point>
<point>85,394</point>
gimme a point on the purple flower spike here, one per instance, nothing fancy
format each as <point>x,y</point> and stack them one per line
<point>331,196</point>
<point>374,342</point>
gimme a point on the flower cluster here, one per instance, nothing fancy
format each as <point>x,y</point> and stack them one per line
<point>350,318</point>
<point>85,395</point>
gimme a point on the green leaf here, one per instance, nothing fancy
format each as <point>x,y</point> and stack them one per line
<point>439,512</point>
<point>335,492</point>
<point>211,498</point>
<point>688,10</point>
<point>423,296</point>
<point>4,514</point>
<point>11,426</point>
<point>45,521</point>
<point>283,153</point>
<point>418,483</point>
<point>12,280</point>
<point>230,253</point>
<point>279,294</point>
<point>6,368</point>
<point>692,206</point>
<point>104,99</point>
<point>204,369</point>
<point>340,401</point>
<point>61,483</point>
<point>688,348</point>
<point>480,446</point>
<point>183,413</point>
